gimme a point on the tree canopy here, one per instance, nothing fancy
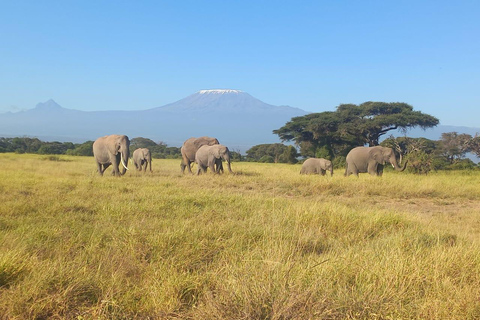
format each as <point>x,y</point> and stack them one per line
<point>159,150</point>
<point>275,152</point>
<point>351,125</point>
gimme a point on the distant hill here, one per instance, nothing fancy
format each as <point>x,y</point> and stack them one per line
<point>436,132</point>
<point>236,118</point>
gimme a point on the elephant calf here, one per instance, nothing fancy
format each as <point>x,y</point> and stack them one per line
<point>142,156</point>
<point>190,148</point>
<point>317,166</point>
<point>211,157</point>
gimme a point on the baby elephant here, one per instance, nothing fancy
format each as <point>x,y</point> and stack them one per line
<point>211,157</point>
<point>142,157</point>
<point>317,166</point>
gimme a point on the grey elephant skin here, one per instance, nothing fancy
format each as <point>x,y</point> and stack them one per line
<point>190,148</point>
<point>317,166</point>
<point>112,150</point>
<point>371,160</point>
<point>211,157</point>
<point>142,158</point>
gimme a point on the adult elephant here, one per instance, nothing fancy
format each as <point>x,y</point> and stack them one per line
<point>142,156</point>
<point>190,148</point>
<point>211,157</point>
<point>317,166</point>
<point>371,160</point>
<point>112,150</point>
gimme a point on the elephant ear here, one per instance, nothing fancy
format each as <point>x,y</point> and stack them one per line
<point>118,143</point>
<point>113,146</point>
<point>216,152</point>
<point>377,155</point>
<point>198,143</point>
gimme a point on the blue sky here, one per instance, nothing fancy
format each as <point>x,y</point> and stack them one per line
<point>314,55</point>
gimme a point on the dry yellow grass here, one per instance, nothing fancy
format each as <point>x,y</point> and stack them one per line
<point>266,243</point>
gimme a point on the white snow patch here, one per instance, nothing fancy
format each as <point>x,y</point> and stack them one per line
<point>219,91</point>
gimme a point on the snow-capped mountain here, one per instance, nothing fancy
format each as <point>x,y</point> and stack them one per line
<point>226,100</point>
<point>236,118</point>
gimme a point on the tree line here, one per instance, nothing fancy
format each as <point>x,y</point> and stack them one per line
<point>159,150</point>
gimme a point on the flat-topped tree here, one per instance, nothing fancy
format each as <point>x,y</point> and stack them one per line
<point>352,125</point>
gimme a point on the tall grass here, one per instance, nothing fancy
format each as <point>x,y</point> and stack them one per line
<point>266,243</point>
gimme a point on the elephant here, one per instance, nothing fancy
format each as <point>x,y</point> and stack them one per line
<point>112,150</point>
<point>190,148</point>
<point>317,166</point>
<point>142,156</point>
<point>211,157</point>
<point>371,160</point>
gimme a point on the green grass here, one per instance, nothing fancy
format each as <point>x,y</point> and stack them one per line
<point>266,243</point>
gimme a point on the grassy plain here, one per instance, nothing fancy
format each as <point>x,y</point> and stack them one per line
<point>266,243</point>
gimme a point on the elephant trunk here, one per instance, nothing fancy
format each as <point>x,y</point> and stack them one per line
<point>227,159</point>
<point>397,166</point>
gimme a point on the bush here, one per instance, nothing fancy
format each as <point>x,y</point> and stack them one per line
<point>339,162</point>
<point>464,164</point>
<point>419,162</point>
<point>266,159</point>
<point>84,149</point>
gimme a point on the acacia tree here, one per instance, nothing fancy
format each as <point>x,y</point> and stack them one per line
<point>455,145</point>
<point>351,125</point>
<point>474,145</point>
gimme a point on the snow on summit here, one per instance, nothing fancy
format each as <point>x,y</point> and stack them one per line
<point>219,91</point>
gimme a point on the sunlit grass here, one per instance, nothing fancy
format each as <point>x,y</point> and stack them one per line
<point>265,243</point>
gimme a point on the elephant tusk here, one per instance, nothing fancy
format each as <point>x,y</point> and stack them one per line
<point>393,166</point>
<point>121,160</point>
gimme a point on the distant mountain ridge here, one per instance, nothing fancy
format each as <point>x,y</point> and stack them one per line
<point>236,118</point>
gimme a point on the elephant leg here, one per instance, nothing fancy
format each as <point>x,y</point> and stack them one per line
<point>219,166</point>
<point>182,166</point>
<point>115,162</point>
<point>322,172</point>
<point>351,169</point>
<point>372,169</point>
<point>99,169</point>
<point>188,165</point>
<point>200,169</point>
<point>380,170</point>
<point>212,168</point>
<point>347,172</point>
<point>105,166</point>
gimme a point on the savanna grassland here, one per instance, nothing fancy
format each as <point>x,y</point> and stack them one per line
<point>266,243</point>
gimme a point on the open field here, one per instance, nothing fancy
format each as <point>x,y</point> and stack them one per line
<point>266,243</point>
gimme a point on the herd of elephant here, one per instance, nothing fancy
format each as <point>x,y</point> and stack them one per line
<point>207,152</point>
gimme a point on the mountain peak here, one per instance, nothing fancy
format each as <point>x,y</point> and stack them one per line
<point>48,105</point>
<point>218,91</point>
